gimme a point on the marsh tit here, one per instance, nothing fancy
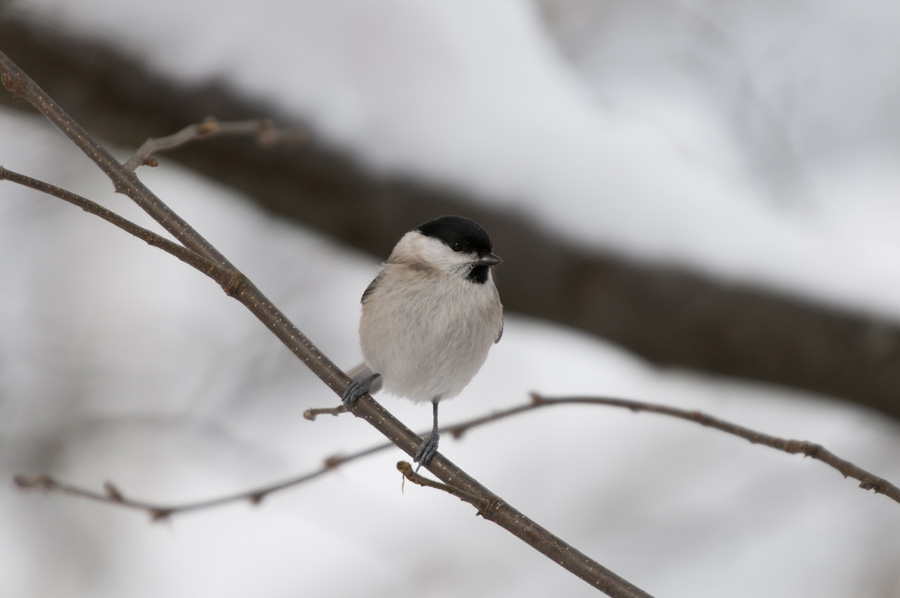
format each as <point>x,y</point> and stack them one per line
<point>429,318</point>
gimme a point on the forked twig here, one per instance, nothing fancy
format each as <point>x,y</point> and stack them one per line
<point>479,502</point>
<point>263,129</point>
<point>226,277</point>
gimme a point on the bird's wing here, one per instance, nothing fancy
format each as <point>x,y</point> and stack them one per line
<point>372,285</point>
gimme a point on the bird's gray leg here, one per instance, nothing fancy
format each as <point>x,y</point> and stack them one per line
<point>429,445</point>
<point>357,389</point>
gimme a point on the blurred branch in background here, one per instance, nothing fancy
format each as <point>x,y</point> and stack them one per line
<point>669,316</point>
<point>585,29</point>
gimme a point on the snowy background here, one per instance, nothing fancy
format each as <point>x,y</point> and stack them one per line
<point>751,141</point>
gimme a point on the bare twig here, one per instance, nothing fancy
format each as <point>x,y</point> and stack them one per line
<point>125,182</point>
<point>867,480</point>
<point>266,135</point>
<point>112,495</point>
<point>226,277</point>
<point>159,512</point>
<point>479,502</point>
<point>313,412</point>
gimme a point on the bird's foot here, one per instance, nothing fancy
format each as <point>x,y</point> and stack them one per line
<point>427,449</point>
<point>357,389</point>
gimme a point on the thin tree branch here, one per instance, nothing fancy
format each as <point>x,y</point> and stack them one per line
<point>866,479</point>
<point>226,277</point>
<point>160,512</point>
<point>501,513</point>
<point>266,135</point>
<point>157,511</point>
<point>410,474</point>
<point>313,412</point>
<point>21,85</point>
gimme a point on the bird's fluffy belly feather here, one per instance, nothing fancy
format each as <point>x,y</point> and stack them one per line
<point>433,358</point>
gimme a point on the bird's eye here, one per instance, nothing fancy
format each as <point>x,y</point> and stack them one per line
<point>456,246</point>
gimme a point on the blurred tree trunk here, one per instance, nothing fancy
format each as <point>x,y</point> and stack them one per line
<point>670,316</point>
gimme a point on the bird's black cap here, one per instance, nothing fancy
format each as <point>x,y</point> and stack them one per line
<point>458,233</point>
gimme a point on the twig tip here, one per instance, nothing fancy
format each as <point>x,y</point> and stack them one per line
<point>160,515</point>
<point>313,412</point>
<point>41,481</point>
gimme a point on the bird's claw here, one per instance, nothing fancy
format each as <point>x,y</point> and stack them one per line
<point>428,449</point>
<point>357,389</point>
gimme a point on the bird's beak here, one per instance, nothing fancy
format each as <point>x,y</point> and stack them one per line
<point>488,259</point>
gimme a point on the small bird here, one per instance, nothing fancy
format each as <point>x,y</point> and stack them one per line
<point>429,318</point>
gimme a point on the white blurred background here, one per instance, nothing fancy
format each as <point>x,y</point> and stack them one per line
<point>754,142</point>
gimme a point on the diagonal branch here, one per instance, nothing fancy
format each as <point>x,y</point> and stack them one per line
<point>501,513</point>
<point>226,277</point>
<point>21,85</point>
